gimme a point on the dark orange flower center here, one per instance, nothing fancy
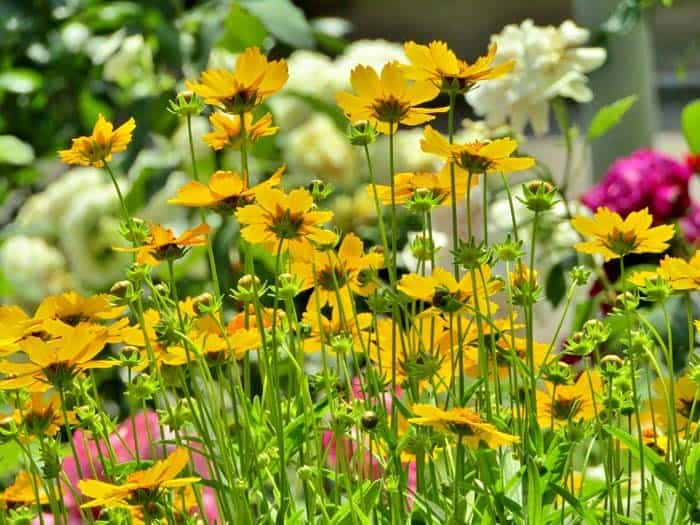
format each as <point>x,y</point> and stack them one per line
<point>390,109</point>
<point>287,225</point>
<point>622,243</point>
<point>474,163</point>
<point>332,278</point>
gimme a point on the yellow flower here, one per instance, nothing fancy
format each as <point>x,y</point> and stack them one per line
<point>475,157</point>
<point>140,488</point>
<point>252,81</point>
<point>612,237</point>
<point>438,63</point>
<point>338,276</point>
<point>681,274</point>
<point>443,291</point>
<point>570,402</point>
<point>225,192</point>
<point>463,422</point>
<point>285,221</point>
<point>57,361</point>
<point>14,328</point>
<point>41,417</point>
<point>420,186</point>
<point>27,490</point>
<point>162,244</point>
<point>687,398</point>
<point>339,334</point>
<point>227,130</point>
<point>98,148</point>
<point>389,100</point>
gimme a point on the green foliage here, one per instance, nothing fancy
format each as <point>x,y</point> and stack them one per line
<point>609,116</point>
<point>690,123</point>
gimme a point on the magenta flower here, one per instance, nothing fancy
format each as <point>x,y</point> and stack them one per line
<point>644,179</point>
<point>690,224</point>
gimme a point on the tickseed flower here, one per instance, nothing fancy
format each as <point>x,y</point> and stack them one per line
<point>337,333</point>
<point>438,63</point>
<point>475,157</point>
<point>24,491</point>
<point>287,221</point>
<point>13,321</point>
<point>41,417</point>
<point>444,292</point>
<point>612,237</point>
<point>225,192</point>
<point>687,397</point>
<point>140,488</point>
<point>227,130</point>
<point>56,362</point>
<point>252,81</point>
<point>389,100</point>
<point>420,191</point>
<point>162,244</point>
<point>463,422</point>
<point>680,274</point>
<point>339,275</point>
<point>570,402</point>
<point>98,148</point>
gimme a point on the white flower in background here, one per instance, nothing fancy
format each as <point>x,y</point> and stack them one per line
<point>34,269</point>
<point>318,150</point>
<point>310,73</point>
<point>373,53</point>
<point>168,215</point>
<point>43,212</point>
<point>353,211</point>
<point>88,231</point>
<point>220,58</point>
<point>408,155</point>
<point>132,68</point>
<point>549,63</point>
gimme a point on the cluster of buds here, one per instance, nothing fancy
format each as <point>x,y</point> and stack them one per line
<point>539,196</point>
<point>136,231</point>
<point>249,289</point>
<point>509,250</point>
<point>423,248</point>
<point>362,134</point>
<point>470,254</point>
<point>186,104</point>
<point>524,285</point>
<point>320,190</point>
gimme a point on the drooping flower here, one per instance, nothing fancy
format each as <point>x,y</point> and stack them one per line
<point>285,221</point>
<point>341,334</point>
<point>389,100</point>
<point>225,192</point>
<point>612,237</point>
<point>336,277</point>
<point>98,148</point>
<point>434,188</point>
<point>439,64</point>
<point>558,405</point>
<point>463,422</point>
<point>162,244</point>
<point>443,291</point>
<point>252,81</point>
<point>26,490</point>
<point>549,63</point>
<point>228,130</point>
<point>475,157</point>
<point>57,361</point>
<point>644,179</point>
<point>142,487</point>
<point>41,417</point>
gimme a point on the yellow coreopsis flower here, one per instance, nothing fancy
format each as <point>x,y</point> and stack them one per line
<point>463,422</point>
<point>57,361</point>
<point>430,188</point>
<point>570,402</point>
<point>225,192</point>
<point>140,488</point>
<point>341,334</point>
<point>612,237</point>
<point>162,244</point>
<point>287,222</point>
<point>42,417</point>
<point>252,81</point>
<point>26,490</point>
<point>680,274</point>
<point>14,328</point>
<point>687,402</point>
<point>389,100</point>
<point>227,130</point>
<point>335,277</point>
<point>475,157</point>
<point>98,148</point>
<point>443,291</point>
<point>439,64</point>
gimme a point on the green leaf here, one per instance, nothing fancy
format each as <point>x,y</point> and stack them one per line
<point>609,116</point>
<point>241,30</point>
<point>20,81</point>
<point>283,20</point>
<point>690,122</point>
<point>555,286</point>
<point>14,151</point>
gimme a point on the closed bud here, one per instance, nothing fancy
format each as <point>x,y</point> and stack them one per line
<point>121,289</point>
<point>539,196</point>
<point>162,289</point>
<point>202,303</point>
<point>369,420</point>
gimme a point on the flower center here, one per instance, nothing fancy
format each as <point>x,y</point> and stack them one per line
<point>621,242</point>
<point>332,278</point>
<point>390,109</point>
<point>563,408</point>
<point>473,163</point>
<point>287,225</point>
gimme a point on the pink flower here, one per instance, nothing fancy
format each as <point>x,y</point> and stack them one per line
<point>690,224</point>
<point>644,179</point>
<point>140,434</point>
